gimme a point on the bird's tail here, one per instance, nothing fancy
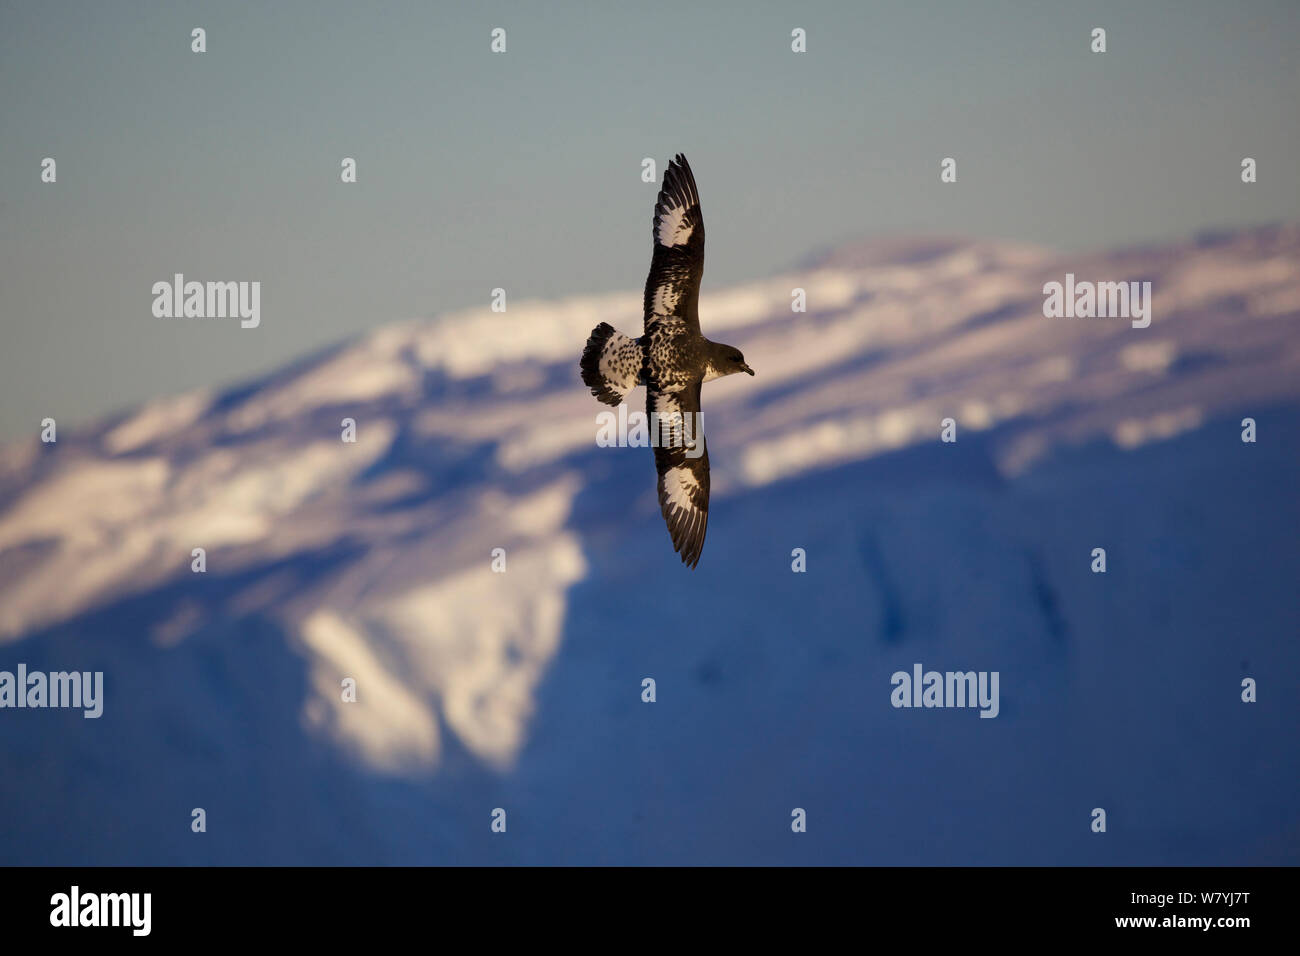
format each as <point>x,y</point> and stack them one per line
<point>611,364</point>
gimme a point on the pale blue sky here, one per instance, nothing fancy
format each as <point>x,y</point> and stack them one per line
<point>522,170</point>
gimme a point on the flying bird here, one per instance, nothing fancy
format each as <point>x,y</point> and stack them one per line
<point>672,358</point>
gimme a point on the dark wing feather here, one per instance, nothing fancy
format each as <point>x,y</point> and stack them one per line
<point>673,286</point>
<point>683,479</point>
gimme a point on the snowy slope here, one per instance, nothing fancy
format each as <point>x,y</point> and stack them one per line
<point>522,690</point>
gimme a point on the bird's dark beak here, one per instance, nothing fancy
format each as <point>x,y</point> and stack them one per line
<point>746,368</point>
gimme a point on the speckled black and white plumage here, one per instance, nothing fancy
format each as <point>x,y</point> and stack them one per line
<point>611,364</point>
<point>672,359</point>
<point>672,289</point>
<point>683,479</point>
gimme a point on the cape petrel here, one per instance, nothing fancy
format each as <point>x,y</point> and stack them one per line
<point>672,359</point>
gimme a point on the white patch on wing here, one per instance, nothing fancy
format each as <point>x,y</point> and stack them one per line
<point>676,427</point>
<point>680,486</point>
<point>666,297</point>
<point>673,229</point>
<point>667,400</point>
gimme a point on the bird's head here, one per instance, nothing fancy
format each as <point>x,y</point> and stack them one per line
<point>734,361</point>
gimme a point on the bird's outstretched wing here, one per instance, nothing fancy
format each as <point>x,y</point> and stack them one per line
<point>673,286</point>
<point>683,471</point>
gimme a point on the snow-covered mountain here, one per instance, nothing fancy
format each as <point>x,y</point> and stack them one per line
<point>372,560</point>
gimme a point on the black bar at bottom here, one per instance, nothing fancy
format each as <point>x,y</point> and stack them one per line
<point>330,905</point>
